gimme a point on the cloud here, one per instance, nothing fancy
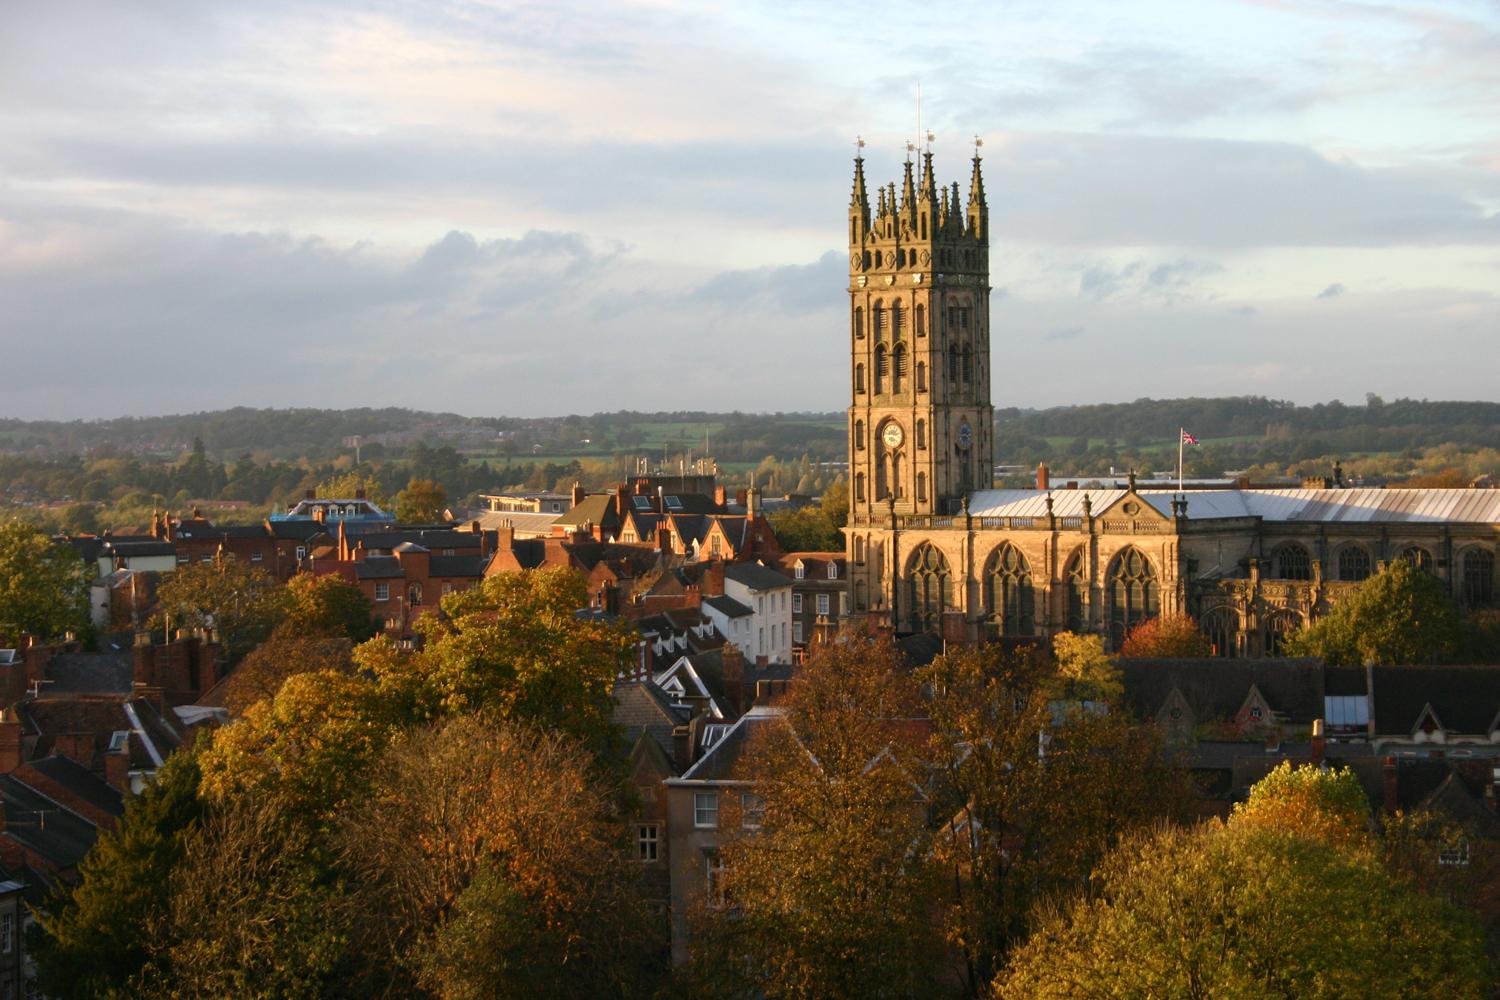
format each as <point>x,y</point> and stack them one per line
<point>1067,333</point>
<point>1166,281</point>
<point>1333,291</point>
<point>793,287</point>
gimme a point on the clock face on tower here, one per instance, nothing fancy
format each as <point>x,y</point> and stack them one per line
<point>892,435</point>
<point>965,435</point>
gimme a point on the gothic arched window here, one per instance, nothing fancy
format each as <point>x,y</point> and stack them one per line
<point>953,366</point>
<point>898,358</point>
<point>1134,595</point>
<point>859,378</point>
<point>921,434</point>
<point>879,315</point>
<point>1478,578</point>
<point>1221,625</point>
<point>896,323</point>
<point>921,376</point>
<point>1077,588</point>
<point>1418,557</point>
<point>859,322</point>
<point>1354,563</point>
<point>921,320</point>
<point>1292,563</point>
<point>859,435</point>
<point>882,368</point>
<point>1008,594</point>
<point>931,588</point>
<point>1280,624</point>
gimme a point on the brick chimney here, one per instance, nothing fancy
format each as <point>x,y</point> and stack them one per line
<point>720,497</point>
<point>578,494</point>
<point>117,761</point>
<point>713,579</point>
<point>622,499</point>
<point>1392,786</point>
<point>664,535</point>
<point>734,677</point>
<point>11,733</point>
<point>752,502</point>
<point>1043,477</point>
<point>1319,744</point>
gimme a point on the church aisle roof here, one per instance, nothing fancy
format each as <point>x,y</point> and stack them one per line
<point>1430,506</point>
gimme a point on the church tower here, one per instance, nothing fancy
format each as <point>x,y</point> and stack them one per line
<point>920,418</point>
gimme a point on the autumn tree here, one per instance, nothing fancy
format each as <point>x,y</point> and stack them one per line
<point>1399,615</point>
<point>1247,910</point>
<point>242,603</point>
<point>286,652</point>
<point>349,485</point>
<point>44,586</point>
<point>832,888</point>
<point>97,938</point>
<point>1320,803</point>
<point>423,501</point>
<point>1167,636</point>
<point>490,863</point>
<point>1039,779</point>
<point>329,605</point>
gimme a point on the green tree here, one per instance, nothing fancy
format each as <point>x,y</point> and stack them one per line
<point>1324,804</point>
<point>1248,911</point>
<point>97,937</point>
<point>329,605</point>
<point>287,652</point>
<point>1084,671</point>
<point>1399,615</point>
<point>347,485</point>
<point>833,894</point>
<point>1167,636</point>
<point>806,529</point>
<point>835,505</point>
<point>240,602</point>
<point>44,586</point>
<point>422,502</point>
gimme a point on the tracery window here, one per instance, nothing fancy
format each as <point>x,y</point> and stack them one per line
<point>931,588</point>
<point>1134,595</point>
<point>882,368</point>
<point>1077,588</point>
<point>1478,578</point>
<point>1354,563</point>
<point>1221,626</point>
<point>1008,594</point>
<point>1279,626</point>
<point>899,359</point>
<point>1418,557</point>
<point>859,322</point>
<point>1293,563</point>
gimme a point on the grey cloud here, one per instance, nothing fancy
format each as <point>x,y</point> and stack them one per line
<point>1167,281</point>
<point>1244,312</point>
<point>1066,333</point>
<point>1333,291</point>
<point>794,287</point>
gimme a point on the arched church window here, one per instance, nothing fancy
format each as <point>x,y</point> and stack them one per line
<point>882,368</point>
<point>922,486</point>
<point>1134,595</point>
<point>879,315</point>
<point>1008,594</point>
<point>921,320</point>
<point>1418,557</point>
<point>859,549</point>
<point>953,366</point>
<point>859,435</point>
<point>921,434</point>
<point>1221,625</point>
<point>859,487</point>
<point>921,376</point>
<point>1354,563</point>
<point>859,377</point>
<point>896,318</point>
<point>898,358</point>
<point>859,322</point>
<point>930,587</point>
<point>1478,577</point>
<point>1077,593</point>
<point>1279,626</point>
<point>968,368</point>
<point>1292,563</point>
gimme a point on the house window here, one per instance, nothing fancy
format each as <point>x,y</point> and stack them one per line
<point>182,558</point>
<point>796,631</point>
<point>752,811</point>
<point>714,544</point>
<point>382,592</point>
<point>714,872</point>
<point>706,810</point>
<point>206,557</point>
<point>799,571</point>
<point>796,604</point>
<point>255,556</point>
<point>833,571</point>
<point>7,932</point>
<point>301,552</point>
<point>414,594</point>
<point>760,640</point>
<point>1454,855</point>
<point>823,605</point>
<point>646,841</point>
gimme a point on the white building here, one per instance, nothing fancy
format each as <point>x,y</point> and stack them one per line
<point>768,595</point>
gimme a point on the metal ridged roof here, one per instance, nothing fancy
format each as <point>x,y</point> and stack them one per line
<point>1432,506</point>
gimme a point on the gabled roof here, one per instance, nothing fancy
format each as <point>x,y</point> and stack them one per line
<point>641,707</point>
<point>694,677</point>
<point>719,763</point>
<point>728,607</point>
<point>456,566</point>
<point>1465,698</point>
<point>1216,689</point>
<point>378,568</point>
<point>43,826</point>
<point>598,508</point>
<point>81,782</point>
<point>1421,506</point>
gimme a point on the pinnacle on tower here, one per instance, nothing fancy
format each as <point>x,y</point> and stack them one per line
<point>909,197</point>
<point>979,213</point>
<point>859,204</point>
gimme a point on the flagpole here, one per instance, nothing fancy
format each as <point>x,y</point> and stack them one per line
<point>1181,435</point>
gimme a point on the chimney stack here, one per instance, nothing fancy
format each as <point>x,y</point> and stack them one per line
<point>1043,477</point>
<point>578,493</point>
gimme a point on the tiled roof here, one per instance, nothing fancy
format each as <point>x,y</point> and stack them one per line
<point>378,568</point>
<point>1216,689</point>
<point>755,576</point>
<point>456,566</point>
<point>43,826</point>
<point>91,673</point>
<point>1429,506</point>
<point>642,707</point>
<point>721,760</point>
<point>82,782</point>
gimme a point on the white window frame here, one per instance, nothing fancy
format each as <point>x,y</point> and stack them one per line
<point>257,556</point>
<point>705,810</point>
<point>823,605</point>
<point>382,593</point>
<point>796,631</point>
<point>752,811</point>
<point>648,843</point>
<point>796,604</point>
<point>799,571</point>
<point>301,552</point>
<point>833,571</point>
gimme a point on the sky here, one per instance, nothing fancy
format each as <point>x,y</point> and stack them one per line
<point>530,209</point>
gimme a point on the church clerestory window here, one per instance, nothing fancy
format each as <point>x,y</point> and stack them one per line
<point>1134,595</point>
<point>1354,563</point>
<point>1009,596</point>
<point>930,586</point>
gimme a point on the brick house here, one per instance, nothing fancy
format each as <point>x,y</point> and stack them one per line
<point>819,586</point>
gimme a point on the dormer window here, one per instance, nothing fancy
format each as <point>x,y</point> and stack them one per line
<point>799,571</point>
<point>833,571</point>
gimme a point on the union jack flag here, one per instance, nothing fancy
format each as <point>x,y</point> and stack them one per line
<point>1188,438</point>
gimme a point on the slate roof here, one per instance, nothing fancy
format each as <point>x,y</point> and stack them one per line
<point>153,547</point>
<point>642,707</point>
<point>1216,689</point>
<point>1429,506</point>
<point>1465,698</point>
<point>472,566</point>
<point>378,568</point>
<point>599,508</point>
<point>90,673</point>
<point>719,763</point>
<point>43,826</point>
<point>50,716</point>
<point>429,538</point>
<point>82,782</point>
<point>755,576</point>
<point>298,530</point>
<point>728,607</point>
